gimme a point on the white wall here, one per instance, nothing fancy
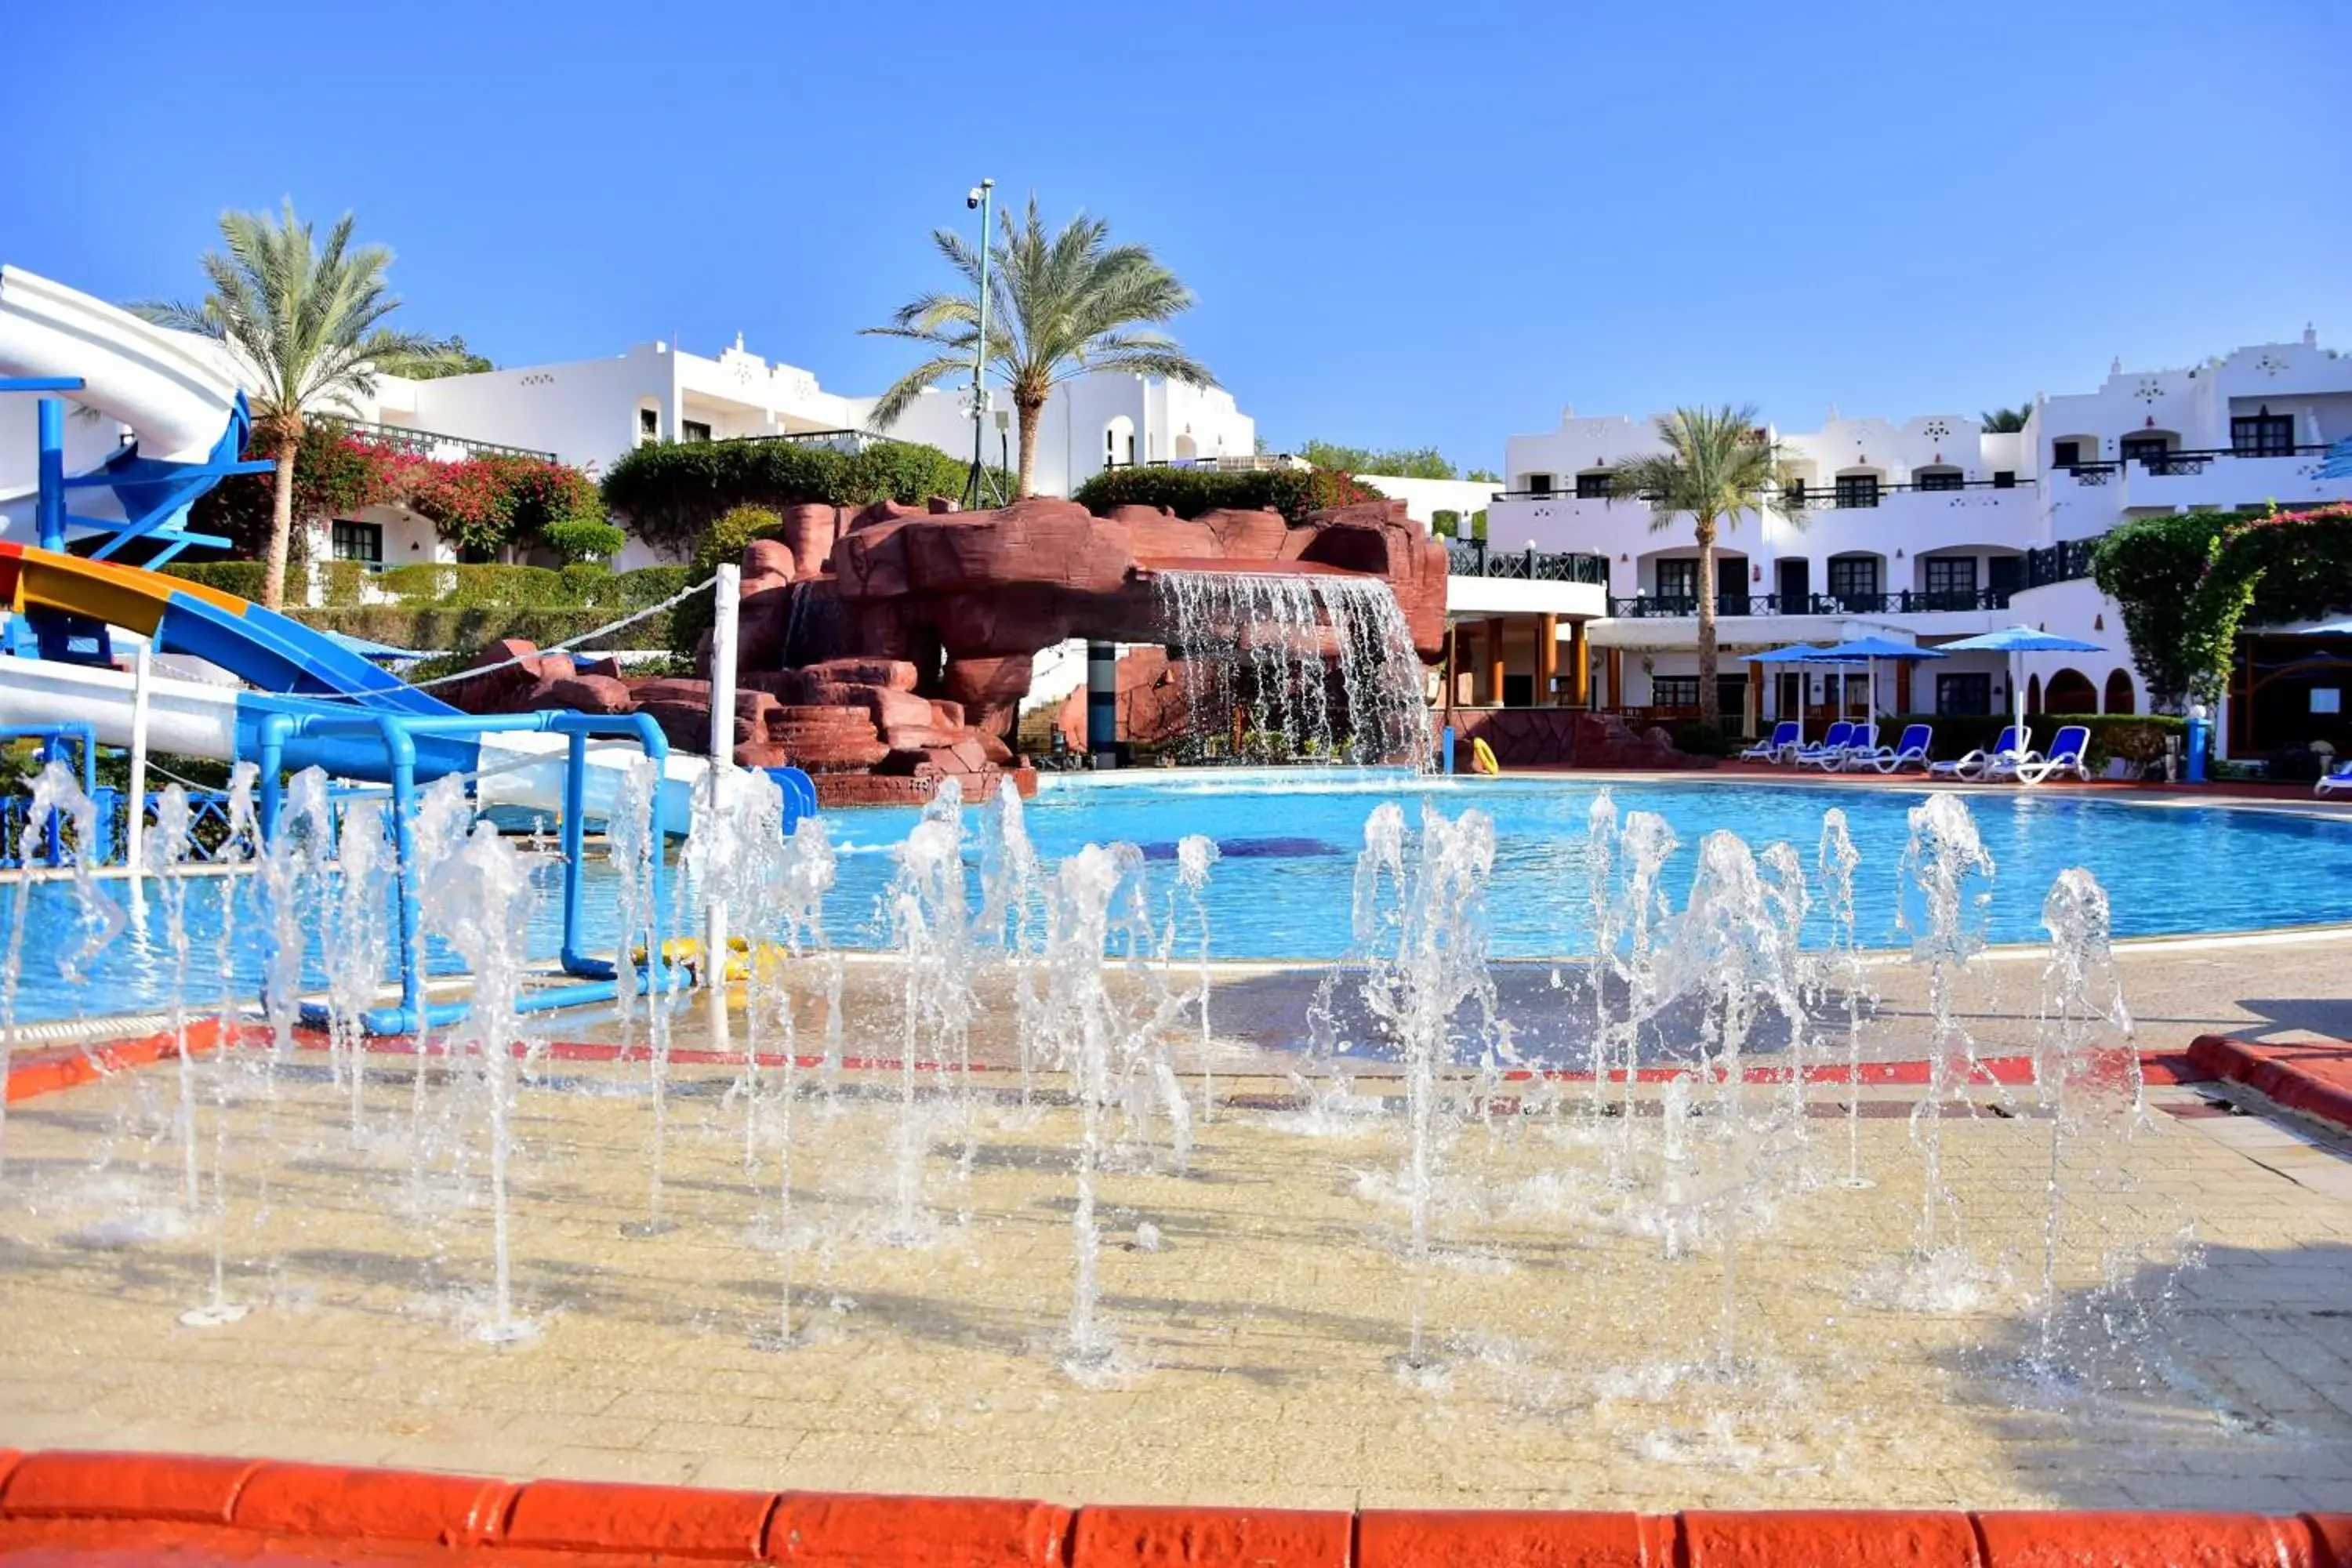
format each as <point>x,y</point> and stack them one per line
<point>1423,499</point>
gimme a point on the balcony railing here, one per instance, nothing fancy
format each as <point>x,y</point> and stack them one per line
<point>424,443</point>
<point>2067,560</point>
<point>1474,558</point>
<point>1908,602</point>
<point>844,440</point>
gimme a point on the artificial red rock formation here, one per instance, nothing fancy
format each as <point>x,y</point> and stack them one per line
<point>917,628</point>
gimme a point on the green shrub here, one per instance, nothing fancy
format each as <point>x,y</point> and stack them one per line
<point>1445,524</point>
<point>1702,741</point>
<point>672,492</point>
<point>458,587</point>
<point>581,541</point>
<point>464,630</point>
<point>1296,493</point>
<point>727,538</point>
<point>645,585</point>
<point>242,578</point>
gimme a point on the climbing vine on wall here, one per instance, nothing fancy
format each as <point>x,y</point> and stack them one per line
<point>2187,585</point>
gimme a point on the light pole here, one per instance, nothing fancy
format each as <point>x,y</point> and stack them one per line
<point>979,200</point>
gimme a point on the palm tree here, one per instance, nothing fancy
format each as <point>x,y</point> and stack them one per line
<point>2005,421</point>
<point>1718,463</point>
<point>1059,306</point>
<point>304,325</point>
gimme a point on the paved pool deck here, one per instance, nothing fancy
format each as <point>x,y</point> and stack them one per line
<point>1261,1300</point>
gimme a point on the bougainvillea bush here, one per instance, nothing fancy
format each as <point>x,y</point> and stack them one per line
<point>2187,584</point>
<point>481,504</point>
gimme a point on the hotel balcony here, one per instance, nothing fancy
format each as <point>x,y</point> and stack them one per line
<point>433,444</point>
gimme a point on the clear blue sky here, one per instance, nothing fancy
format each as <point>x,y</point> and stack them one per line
<point>1404,223</point>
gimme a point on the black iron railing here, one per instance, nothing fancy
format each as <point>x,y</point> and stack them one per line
<point>2067,560</point>
<point>422,443</point>
<point>1475,559</point>
<point>848,440</point>
<point>1909,602</point>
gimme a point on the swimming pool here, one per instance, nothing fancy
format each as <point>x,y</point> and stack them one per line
<point>1282,889</point>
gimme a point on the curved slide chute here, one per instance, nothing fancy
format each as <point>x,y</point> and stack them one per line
<point>300,671</point>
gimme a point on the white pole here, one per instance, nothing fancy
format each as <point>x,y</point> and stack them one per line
<point>726,612</point>
<point>135,845</point>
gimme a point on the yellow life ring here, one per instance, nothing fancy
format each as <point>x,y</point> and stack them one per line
<point>1482,757</point>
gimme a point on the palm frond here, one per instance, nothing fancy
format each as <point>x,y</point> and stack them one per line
<point>893,404</point>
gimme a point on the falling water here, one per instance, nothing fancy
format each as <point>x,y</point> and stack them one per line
<point>1286,634</point>
<point>794,909</point>
<point>1787,901</point>
<point>356,967</point>
<point>1078,1021</point>
<point>930,934</point>
<point>1735,949</point>
<point>443,819</point>
<point>1647,843</point>
<point>1437,965</point>
<point>1944,852</point>
<point>297,849</point>
<point>2081,991</point>
<point>236,851</point>
<point>1837,861</point>
<point>1009,888</point>
<point>166,856</point>
<point>54,791</point>
<point>480,900</point>
<point>1600,866</point>
<point>1196,853</point>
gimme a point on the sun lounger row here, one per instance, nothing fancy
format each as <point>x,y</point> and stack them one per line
<point>1852,747</point>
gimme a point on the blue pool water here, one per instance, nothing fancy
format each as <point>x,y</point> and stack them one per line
<point>1283,888</point>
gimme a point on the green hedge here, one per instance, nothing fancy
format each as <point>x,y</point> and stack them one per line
<point>246,579</point>
<point>672,492</point>
<point>1296,493</point>
<point>464,630</point>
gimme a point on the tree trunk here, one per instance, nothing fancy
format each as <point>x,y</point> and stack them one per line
<point>1710,701</point>
<point>1031,412</point>
<point>281,521</point>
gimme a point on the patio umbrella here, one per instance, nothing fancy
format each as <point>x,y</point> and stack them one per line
<point>1795,653</point>
<point>1870,651</point>
<point>2015,640</point>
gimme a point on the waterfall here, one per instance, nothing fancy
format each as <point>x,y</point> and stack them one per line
<point>1269,647</point>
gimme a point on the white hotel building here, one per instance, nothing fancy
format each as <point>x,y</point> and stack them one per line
<point>590,412</point>
<point>1924,530</point>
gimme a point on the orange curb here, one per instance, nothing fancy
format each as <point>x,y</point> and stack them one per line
<point>2316,1079</point>
<point>198,1511</point>
<point>1478,1538</point>
<point>2148,1540</point>
<point>1124,1537</point>
<point>46,1070</point>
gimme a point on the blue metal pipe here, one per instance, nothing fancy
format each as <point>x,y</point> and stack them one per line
<point>50,510</point>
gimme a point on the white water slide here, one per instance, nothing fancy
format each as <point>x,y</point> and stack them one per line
<point>177,392</point>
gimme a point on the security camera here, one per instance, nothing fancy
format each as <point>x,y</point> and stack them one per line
<point>972,201</point>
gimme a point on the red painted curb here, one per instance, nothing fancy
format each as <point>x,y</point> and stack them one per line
<point>203,1510</point>
<point>2145,1540</point>
<point>1117,1537</point>
<point>2316,1079</point>
<point>66,1483</point>
<point>373,1505</point>
<point>918,1531</point>
<point>2332,1532</point>
<point>1477,1538</point>
<point>1828,1540</point>
<point>684,1521</point>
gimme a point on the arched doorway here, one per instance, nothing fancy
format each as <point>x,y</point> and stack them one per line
<point>2070,691</point>
<point>2120,692</point>
<point>2033,694</point>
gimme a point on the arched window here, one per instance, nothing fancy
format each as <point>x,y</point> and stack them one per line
<point>2071,691</point>
<point>2119,691</point>
<point>2033,694</point>
<point>1118,443</point>
<point>1942,476</point>
<point>1187,448</point>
